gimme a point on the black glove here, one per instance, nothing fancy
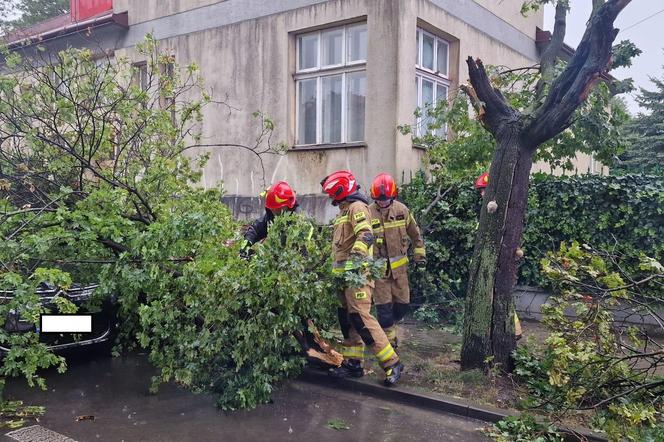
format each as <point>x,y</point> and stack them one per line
<point>246,253</point>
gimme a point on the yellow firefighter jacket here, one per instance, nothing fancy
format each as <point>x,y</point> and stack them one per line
<point>352,234</point>
<point>395,229</point>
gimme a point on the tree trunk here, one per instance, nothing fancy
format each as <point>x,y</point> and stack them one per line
<point>489,317</point>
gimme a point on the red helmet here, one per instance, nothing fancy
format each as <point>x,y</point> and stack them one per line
<point>339,185</point>
<point>280,195</point>
<point>384,187</point>
<point>482,181</point>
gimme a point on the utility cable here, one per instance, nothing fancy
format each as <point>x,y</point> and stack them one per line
<point>641,21</point>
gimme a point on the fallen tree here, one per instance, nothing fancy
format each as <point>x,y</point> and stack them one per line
<point>99,185</point>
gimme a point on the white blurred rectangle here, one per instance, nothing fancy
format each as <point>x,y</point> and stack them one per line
<point>66,323</point>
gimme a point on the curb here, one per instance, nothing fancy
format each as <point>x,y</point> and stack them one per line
<point>437,402</point>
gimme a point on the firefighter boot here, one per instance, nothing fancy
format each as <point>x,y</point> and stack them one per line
<point>393,374</point>
<point>350,368</point>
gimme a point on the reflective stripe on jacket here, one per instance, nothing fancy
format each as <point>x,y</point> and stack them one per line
<point>352,234</point>
<point>395,230</point>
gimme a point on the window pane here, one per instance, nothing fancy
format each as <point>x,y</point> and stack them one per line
<point>332,44</point>
<point>306,133</point>
<point>357,42</point>
<point>356,83</point>
<point>140,76</point>
<point>427,92</point>
<point>417,48</point>
<point>442,57</point>
<point>417,104</point>
<point>441,92</point>
<point>308,45</point>
<point>441,95</point>
<point>331,95</point>
<point>427,51</point>
<point>427,101</point>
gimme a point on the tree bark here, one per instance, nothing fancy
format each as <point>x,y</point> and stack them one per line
<point>503,338</point>
<point>488,323</point>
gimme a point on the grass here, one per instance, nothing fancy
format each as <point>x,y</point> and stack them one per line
<point>431,358</point>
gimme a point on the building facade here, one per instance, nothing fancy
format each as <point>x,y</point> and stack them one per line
<point>336,76</point>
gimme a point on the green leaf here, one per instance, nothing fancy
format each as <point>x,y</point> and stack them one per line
<point>337,424</point>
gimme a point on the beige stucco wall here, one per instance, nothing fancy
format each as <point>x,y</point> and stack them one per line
<point>583,163</point>
<point>510,11</point>
<point>253,62</point>
<point>144,10</point>
<point>250,65</point>
<point>466,41</point>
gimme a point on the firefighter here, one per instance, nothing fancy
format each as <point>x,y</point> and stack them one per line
<point>480,184</point>
<point>352,241</point>
<point>395,229</point>
<point>278,198</point>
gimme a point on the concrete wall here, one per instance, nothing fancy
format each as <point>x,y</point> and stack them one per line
<point>144,10</point>
<point>583,163</point>
<point>510,11</point>
<point>466,40</point>
<point>252,63</point>
<point>529,300</point>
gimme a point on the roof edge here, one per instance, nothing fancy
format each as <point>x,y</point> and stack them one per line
<point>121,19</point>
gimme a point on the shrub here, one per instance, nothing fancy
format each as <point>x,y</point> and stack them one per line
<point>621,213</point>
<point>225,324</point>
<point>446,212</point>
<point>592,359</point>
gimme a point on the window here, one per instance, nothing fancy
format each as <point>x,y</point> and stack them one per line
<point>331,85</point>
<point>167,86</point>
<point>431,78</point>
<point>140,76</point>
<point>57,82</point>
<point>432,54</point>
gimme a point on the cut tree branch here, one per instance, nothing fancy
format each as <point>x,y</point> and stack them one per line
<point>475,102</point>
<point>440,195</point>
<point>497,110</point>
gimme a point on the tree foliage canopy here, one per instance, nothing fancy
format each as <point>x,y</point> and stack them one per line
<point>21,13</point>
<point>646,133</point>
<point>598,127</point>
<point>598,359</point>
<point>98,183</point>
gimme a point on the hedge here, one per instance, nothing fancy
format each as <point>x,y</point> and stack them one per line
<point>625,213</point>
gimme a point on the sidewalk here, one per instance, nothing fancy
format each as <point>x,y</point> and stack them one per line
<point>433,380</point>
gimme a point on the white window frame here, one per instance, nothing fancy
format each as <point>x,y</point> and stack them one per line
<point>318,72</point>
<point>140,78</point>
<point>436,77</point>
<point>420,49</point>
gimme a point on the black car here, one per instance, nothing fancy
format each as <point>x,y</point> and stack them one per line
<point>104,320</point>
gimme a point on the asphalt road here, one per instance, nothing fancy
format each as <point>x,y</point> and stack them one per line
<point>114,391</point>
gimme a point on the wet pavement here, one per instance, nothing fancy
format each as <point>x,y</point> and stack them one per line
<point>115,392</point>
